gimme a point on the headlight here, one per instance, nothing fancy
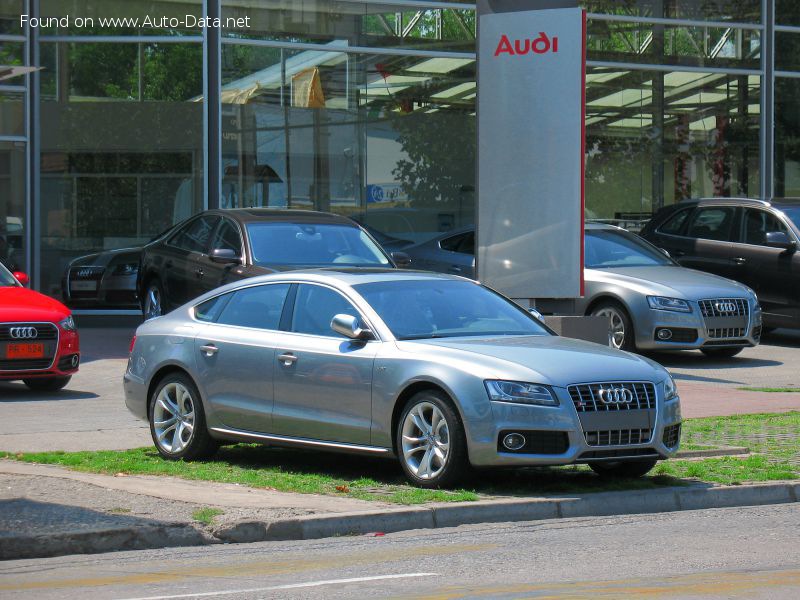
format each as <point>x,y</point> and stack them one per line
<point>67,324</point>
<point>126,269</point>
<point>664,303</point>
<point>670,389</point>
<point>520,392</point>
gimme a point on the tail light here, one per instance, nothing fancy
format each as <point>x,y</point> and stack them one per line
<point>133,342</point>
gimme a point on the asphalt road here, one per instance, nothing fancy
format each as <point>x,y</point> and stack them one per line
<point>725,553</point>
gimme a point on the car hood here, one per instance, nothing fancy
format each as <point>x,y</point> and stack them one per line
<point>102,259</point>
<point>554,360</point>
<point>673,281</point>
<point>21,304</point>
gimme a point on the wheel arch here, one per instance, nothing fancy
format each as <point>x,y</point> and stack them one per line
<point>413,388</point>
<point>160,374</point>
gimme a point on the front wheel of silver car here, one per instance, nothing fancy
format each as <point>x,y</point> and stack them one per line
<point>177,420</point>
<point>620,327</point>
<point>623,469</point>
<point>431,443</point>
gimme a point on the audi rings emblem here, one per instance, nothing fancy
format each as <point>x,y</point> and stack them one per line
<point>84,273</point>
<point>725,307</point>
<point>23,333</point>
<point>615,395</point>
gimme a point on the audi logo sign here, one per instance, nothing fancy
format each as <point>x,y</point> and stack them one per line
<point>725,307</point>
<point>23,333</point>
<point>615,396</point>
<point>84,273</point>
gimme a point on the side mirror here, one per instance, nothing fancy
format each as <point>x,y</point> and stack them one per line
<point>401,259</point>
<point>536,314</point>
<point>779,239</point>
<point>347,325</point>
<point>225,256</point>
<point>21,277</point>
<point>666,252</point>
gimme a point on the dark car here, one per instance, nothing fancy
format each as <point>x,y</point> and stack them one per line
<point>102,280</point>
<point>221,246</point>
<point>750,241</point>
<point>452,252</point>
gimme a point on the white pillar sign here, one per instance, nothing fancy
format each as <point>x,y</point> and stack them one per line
<point>531,107</point>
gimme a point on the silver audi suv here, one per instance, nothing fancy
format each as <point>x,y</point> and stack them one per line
<point>437,370</point>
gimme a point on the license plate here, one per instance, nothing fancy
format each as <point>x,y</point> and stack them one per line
<point>25,351</point>
<point>83,286</point>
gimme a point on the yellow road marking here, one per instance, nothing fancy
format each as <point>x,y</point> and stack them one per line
<point>254,568</point>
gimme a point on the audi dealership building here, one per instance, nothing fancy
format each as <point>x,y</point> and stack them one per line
<point>114,125</point>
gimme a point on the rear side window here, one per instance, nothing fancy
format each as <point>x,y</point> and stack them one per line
<point>674,224</point>
<point>259,307</point>
<point>712,223</point>
<point>463,243</point>
<point>209,310</point>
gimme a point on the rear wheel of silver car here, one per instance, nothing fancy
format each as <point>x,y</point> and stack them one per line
<point>47,384</point>
<point>624,468</point>
<point>177,420</point>
<point>153,300</point>
<point>430,441</point>
<point>721,352</point>
<point>620,326</point>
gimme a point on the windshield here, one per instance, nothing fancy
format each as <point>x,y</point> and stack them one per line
<point>438,308</point>
<point>312,245</point>
<point>6,278</point>
<point>793,212</point>
<point>606,248</point>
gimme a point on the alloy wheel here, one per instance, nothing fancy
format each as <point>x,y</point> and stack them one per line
<point>152,302</point>
<point>425,440</point>
<point>174,418</point>
<point>616,326</point>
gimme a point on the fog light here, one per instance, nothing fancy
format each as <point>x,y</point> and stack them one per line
<point>74,360</point>
<point>514,441</point>
<point>664,334</point>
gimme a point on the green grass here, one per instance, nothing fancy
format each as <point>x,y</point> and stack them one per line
<point>773,439</point>
<point>206,515</point>
<point>770,389</point>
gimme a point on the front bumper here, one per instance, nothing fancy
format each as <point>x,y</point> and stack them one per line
<point>64,364</point>
<point>691,331</point>
<point>486,451</point>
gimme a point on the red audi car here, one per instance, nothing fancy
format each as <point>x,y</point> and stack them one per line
<point>38,340</point>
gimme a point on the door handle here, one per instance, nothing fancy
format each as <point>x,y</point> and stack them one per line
<point>209,349</point>
<point>739,260</point>
<point>287,359</point>
<point>200,273</point>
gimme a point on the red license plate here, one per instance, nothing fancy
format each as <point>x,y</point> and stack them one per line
<point>25,351</point>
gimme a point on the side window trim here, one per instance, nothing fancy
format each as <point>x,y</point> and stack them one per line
<point>232,293</point>
<point>285,323</point>
<point>226,297</point>
<point>290,315</point>
<point>699,209</point>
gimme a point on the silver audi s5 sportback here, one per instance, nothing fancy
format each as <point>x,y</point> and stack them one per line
<point>436,370</point>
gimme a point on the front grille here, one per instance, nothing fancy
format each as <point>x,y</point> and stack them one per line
<point>731,342</point>
<point>726,332</point>
<point>44,331</point>
<point>24,364</point>
<point>626,452</point>
<point>586,396</point>
<point>757,332</point>
<point>86,273</point>
<point>672,435</point>
<point>537,442</point>
<point>714,307</point>
<point>617,437</point>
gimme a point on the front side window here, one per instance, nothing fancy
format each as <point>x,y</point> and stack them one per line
<point>757,223</point>
<point>441,308</point>
<point>315,308</point>
<point>195,234</point>
<point>295,244</point>
<point>610,249</point>
<point>227,238</point>
<point>463,243</point>
<point>712,223</point>
<point>674,224</point>
<point>6,278</point>
<point>259,307</point>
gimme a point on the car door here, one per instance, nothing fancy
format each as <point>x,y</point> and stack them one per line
<point>235,354</point>
<point>456,255</point>
<point>774,273</point>
<point>212,274</point>
<point>323,381</point>
<point>178,270</point>
<point>708,246</point>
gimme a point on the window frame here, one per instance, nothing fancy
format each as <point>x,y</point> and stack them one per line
<point>236,228</point>
<point>732,227</point>
<point>689,211</point>
<point>170,240</point>
<point>775,215</point>
<point>289,308</point>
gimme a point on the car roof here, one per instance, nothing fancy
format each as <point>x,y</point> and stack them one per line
<point>350,276</point>
<point>249,215</point>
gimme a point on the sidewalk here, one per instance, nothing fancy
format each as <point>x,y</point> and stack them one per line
<point>715,400</point>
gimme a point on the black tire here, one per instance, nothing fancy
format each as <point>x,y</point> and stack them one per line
<point>198,444</point>
<point>721,352</point>
<point>47,384</point>
<point>456,463</point>
<point>624,469</point>
<point>153,301</point>
<point>608,307</point>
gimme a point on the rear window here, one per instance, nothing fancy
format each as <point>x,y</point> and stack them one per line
<point>301,244</point>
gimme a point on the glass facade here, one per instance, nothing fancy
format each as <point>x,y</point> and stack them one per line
<point>361,108</point>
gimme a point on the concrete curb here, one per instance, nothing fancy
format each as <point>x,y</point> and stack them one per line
<point>402,519</point>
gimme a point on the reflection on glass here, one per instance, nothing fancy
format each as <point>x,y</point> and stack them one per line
<point>12,113</point>
<point>787,137</point>
<point>12,205</point>
<point>125,17</point>
<point>743,11</point>
<point>122,147</point>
